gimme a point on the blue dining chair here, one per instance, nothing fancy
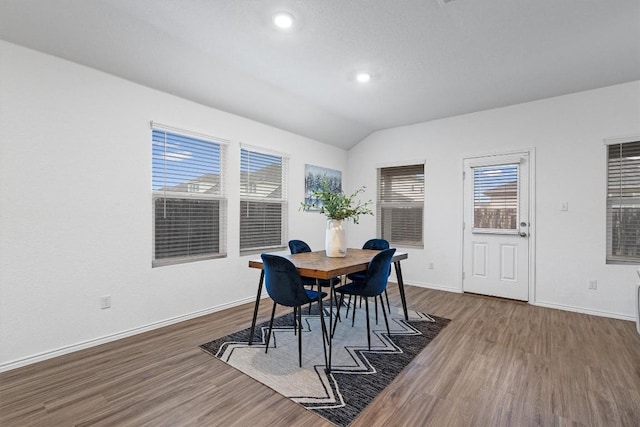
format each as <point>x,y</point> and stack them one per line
<point>284,285</point>
<point>376,244</point>
<point>373,285</point>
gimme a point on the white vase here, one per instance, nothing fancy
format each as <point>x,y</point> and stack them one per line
<point>335,243</point>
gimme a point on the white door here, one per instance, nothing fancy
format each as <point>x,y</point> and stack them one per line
<point>496,226</point>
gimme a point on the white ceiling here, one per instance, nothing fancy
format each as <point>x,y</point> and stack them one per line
<point>429,58</point>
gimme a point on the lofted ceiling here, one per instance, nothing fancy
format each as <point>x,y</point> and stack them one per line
<point>429,59</point>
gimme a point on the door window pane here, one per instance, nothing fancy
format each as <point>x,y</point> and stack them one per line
<point>495,197</point>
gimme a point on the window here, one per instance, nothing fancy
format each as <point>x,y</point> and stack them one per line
<point>263,200</point>
<point>495,197</point>
<point>188,197</point>
<point>623,202</point>
<point>401,204</point>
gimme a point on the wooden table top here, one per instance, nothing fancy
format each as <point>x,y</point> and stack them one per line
<point>317,264</point>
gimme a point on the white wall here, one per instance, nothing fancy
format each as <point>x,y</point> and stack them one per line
<point>567,134</point>
<point>75,201</point>
<point>75,207</point>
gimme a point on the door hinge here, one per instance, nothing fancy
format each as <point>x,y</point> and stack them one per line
<point>464,174</point>
<point>463,275</point>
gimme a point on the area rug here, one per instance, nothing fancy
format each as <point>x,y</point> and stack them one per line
<point>357,376</point>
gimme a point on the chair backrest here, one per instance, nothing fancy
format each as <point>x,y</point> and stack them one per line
<point>378,244</point>
<point>378,273</point>
<point>283,282</point>
<point>298,246</point>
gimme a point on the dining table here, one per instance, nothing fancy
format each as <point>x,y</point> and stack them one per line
<point>318,265</point>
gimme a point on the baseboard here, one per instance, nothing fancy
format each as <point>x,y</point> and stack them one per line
<point>18,363</point>
<point>584,310</point>
<point>540,303</point>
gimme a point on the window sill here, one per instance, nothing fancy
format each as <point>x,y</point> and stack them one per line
<point>184,260</point>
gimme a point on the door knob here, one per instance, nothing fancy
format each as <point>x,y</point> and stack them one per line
<point>523,234</point>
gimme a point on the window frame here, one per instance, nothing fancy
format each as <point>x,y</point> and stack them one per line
<point>188,195</point>
<point>389,203</point>
<point>252,195</point>
<point>612,144</point>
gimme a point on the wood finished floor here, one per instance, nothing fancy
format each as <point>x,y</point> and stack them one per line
<point>498,363</point>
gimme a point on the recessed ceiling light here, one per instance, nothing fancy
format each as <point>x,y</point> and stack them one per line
<point>363,77</point>
<point>283,20</point>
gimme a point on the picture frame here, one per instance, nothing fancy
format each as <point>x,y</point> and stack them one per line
<point>313,176</point>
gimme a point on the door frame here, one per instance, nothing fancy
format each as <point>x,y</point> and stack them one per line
<point>531,240</point>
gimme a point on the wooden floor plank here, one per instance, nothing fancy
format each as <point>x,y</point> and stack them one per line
<point>497,363</point>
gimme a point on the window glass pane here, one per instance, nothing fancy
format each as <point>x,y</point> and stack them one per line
<point>400,205</point>
<point>260,175</point>
<point>186,165</point>
<point>623,202</point>
<point>402,225</point>
<point>495,197</point>
<point>260,225</point>
<point>186,227</point>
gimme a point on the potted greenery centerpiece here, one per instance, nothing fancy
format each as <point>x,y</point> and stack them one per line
<point>338,207</point>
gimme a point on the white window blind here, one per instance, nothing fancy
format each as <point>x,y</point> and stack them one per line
<point>401,204</point>
<point>263,201</point>
<point>623,202</point>
<point>189,201</point>
<point>495,197</point>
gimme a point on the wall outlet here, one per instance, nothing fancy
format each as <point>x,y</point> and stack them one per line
<point>593,284</point>
<point>105,302</point>
<point>430,266</point>
<point>564,206</point>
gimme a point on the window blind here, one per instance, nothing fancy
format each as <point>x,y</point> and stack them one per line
<point>188,197</point>
<point>263,200</point>
<point>400,204</point>
<point>495,197</point>
<point>623,202</point>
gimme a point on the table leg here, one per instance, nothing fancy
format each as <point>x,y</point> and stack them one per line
<point>331,296</point>
<point>401,288</point>
<point>255,308</point>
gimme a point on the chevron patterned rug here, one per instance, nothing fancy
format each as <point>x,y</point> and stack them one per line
<point>357,376</point>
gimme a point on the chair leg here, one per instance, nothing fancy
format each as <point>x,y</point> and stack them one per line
<point>295,320</point>
<point>300,336</point>
<point>375,303</point>
<point>366,306</point>
<point>273,312</point>
<point>353,314</point>
<point>388,305</point>
<point>348,306</point>
<point>386,321</point>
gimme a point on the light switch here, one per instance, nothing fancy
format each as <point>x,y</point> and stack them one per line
<point>564,207</point>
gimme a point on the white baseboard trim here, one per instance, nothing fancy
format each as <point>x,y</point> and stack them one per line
<point>583,310</point>
<point>18,363</point>
<point>539,303</point>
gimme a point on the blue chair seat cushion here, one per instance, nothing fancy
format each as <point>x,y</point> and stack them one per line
<point>313,295</point>
<point>360,276</point>
<point>352,288</point>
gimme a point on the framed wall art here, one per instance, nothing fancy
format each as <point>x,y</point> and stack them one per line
<point>313,176</point>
